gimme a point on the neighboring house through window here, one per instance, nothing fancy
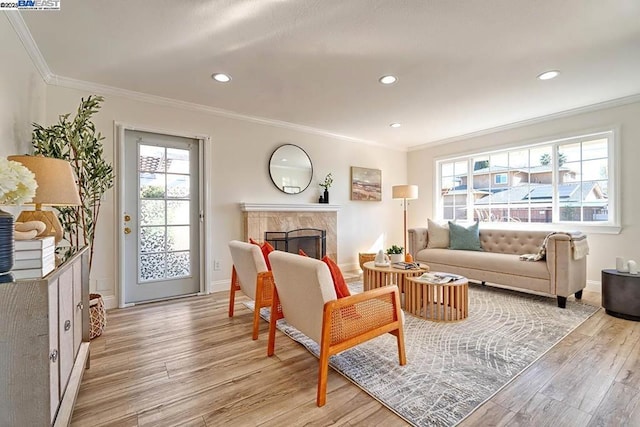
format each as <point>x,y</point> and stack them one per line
<point>560,181</point>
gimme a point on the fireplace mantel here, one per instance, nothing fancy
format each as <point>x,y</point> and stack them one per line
<point>288,207</point>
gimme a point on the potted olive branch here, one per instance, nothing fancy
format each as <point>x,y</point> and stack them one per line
<point>77,141</point>
<point>328,180</point>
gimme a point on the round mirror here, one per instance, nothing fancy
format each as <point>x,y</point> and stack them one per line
<point>290,169</point>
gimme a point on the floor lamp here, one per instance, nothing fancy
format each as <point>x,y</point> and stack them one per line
<point>405,192</point>
<point>56,187</point>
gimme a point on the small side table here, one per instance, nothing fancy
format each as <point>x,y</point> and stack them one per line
<point>621,294</point>
<point>377,277</point>
<point>445,303</point>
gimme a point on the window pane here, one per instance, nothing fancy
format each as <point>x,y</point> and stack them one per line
<point>151,159</point>
<point>594,169</point>
<point>178,186</point>
<point>569,153</point>
<point>177,212</point>
<point>178,238</point>
<point>152,267</point>
<point>152,212</point>
<point>152,239</point>
<point>152,185</point>
<point>447,169</point>
<point>597,149</point>
<point>177,160</point>
<point>178,264</point>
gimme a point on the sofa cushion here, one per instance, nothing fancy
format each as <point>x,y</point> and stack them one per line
<point>438,235</point>
<point>466,239</point>
<point>486,261</point>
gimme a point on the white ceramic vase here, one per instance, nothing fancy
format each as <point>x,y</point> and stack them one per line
<point>396,257</point>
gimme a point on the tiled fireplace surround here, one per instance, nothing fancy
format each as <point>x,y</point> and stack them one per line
<point>261,217</point>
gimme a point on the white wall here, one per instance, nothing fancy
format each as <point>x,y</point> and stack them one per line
<point>22,93</point>
<point>603,247</point>
<point>238,170</point>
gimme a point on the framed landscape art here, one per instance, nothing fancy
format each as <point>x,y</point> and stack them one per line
<point>366,184</point>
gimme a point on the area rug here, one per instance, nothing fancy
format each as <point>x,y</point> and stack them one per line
<point>452,368</point>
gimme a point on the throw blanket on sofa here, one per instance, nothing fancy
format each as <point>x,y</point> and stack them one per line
<point>580,248</point>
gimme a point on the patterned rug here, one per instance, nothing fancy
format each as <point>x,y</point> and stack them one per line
<point>452,368</point>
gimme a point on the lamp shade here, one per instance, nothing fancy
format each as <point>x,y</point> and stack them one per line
<point>405,191</point>
<point>56,182</point>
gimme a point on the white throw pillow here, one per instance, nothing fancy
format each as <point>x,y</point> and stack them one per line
<point>438,235</point>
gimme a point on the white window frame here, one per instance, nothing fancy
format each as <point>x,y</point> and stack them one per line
<point>612,226</point>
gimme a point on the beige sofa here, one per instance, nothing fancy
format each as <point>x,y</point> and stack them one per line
<point>560,274</point>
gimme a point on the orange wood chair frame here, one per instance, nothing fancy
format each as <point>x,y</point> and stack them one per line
<point>348,322</point>
<point>264,295</point>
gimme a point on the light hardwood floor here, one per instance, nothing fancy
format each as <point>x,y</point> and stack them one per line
<point>185,362</point>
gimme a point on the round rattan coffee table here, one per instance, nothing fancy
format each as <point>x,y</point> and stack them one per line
<point>377,277</point>
<point>440,302</point>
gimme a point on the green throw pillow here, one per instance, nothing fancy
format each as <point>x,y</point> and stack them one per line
<point>465,239</point>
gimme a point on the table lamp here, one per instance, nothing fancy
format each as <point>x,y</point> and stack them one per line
<point>56,187</point>
<point>405,192</point>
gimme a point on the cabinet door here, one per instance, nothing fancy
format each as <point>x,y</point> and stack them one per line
<point>54,355</point>
<point>66,312</point>
<point>77,307</point>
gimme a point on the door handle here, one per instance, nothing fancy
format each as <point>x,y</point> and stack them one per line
<point>127,218</point>
<point>127,230</point>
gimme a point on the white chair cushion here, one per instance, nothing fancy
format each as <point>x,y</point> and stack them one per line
<point>304,285</point>
<point>248,261</point>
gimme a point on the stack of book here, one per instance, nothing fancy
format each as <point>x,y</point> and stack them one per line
<point>34,258</point>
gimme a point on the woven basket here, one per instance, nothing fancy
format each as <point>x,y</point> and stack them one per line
<point>365,257</point>
<point>97,315</point>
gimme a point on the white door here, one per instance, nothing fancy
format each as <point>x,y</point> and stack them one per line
<point>161,216</point>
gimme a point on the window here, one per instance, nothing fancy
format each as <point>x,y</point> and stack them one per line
<point>566,181</point>
<point>500,178</point>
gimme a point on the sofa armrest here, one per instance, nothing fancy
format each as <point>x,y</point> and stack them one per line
<point>567,275</point>
<point>418,239</point>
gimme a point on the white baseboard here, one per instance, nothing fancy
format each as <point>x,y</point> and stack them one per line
<point>110,301</point>
<point>593,285</point>
<point>220,285</point>
<point>349,267</point>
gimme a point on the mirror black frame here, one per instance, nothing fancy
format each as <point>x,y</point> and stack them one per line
<point>284,190</point>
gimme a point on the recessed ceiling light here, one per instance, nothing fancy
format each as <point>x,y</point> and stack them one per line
<point>221,77</point>
<point>388,80</point>
<point>548,75</point>
<point>395,125</point>
<point>284,160</point>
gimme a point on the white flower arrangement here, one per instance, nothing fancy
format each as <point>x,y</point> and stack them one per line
<point>17,183</point>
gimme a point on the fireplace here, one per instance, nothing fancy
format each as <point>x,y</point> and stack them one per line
<point>312,241</point>
<point>259,218</point>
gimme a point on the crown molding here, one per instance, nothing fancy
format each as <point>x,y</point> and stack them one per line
<point>21,29</point>
<point>170,102</point>
<point>567,113</point>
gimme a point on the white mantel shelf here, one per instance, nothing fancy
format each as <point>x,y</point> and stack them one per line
<point>288,207</point>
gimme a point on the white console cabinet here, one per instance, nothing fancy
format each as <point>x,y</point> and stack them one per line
<point>44,344</point>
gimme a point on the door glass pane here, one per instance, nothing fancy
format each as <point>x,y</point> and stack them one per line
<point>178,238</point>
<point>152,212</point>
<point>178,186</point>
<point>178,212</point>
<point>178,264</point>
<point>152,239</point>
<point>151,159</point>
<point>152,267</point>
<point>177,160</point>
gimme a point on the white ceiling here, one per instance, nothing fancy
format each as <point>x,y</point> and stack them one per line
<point>463,66</point>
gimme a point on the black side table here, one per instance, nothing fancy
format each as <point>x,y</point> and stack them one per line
<point>621,294</point>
